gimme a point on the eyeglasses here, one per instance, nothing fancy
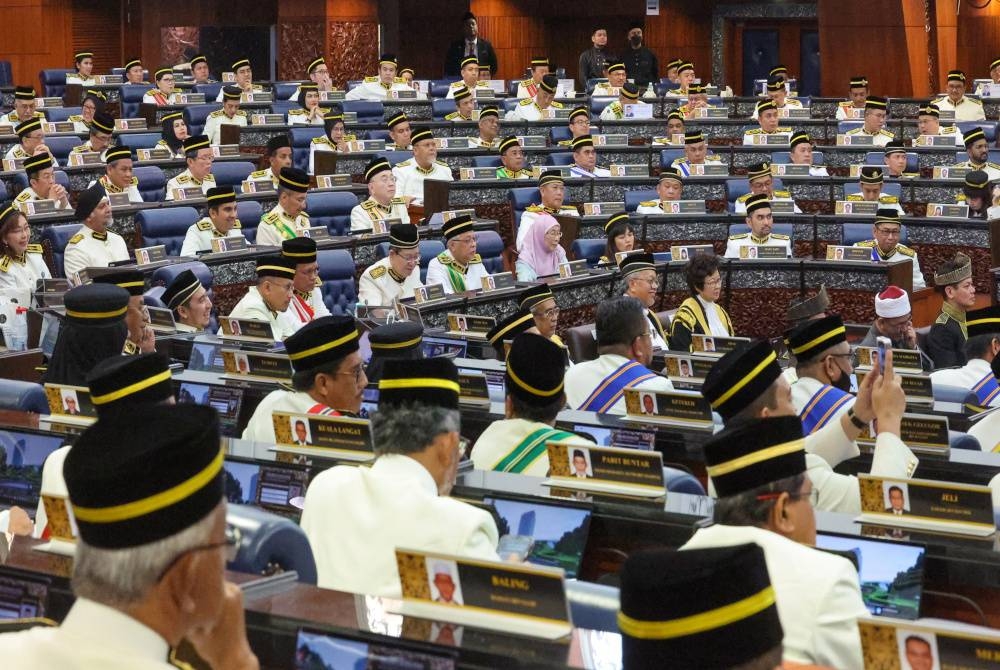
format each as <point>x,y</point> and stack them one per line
<point>654,282</point>
<point>645,333</point>
<point>410,258</point>
<point>554,233</point>
<point>287,288</point>
<point>714,282</point>
<point>464,240</point>
<point>231,544</point>
<point>357,372</point>
<point>812,494</point>
<point>888,231</point>
<point>550,313</point>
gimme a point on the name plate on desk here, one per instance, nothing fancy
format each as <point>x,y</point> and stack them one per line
<point>65,400</point>
<point>531,141</point>
<point>130,124</point>
<point>710,113</point>
<point>48,102</point>
<point>782,206</point>
<point>789,170</point>
<point>635,111</point>
<point>515,598</point>
<point>688,251</point>
<point>686,409</point>
<point>484,92</point>
<point>498,281</point>
<point>472,173</point>
<point>853,113</point>
<point>935,209</point>
<point>611,140</point>
<point>622,255</point>
<point>793,113</point>
<point>903,360</point>
<point>918,388</point>
<point>709,170</point>
<point>220,244</point>
<point>855,170</point>
<point>40,206</point>
<point>855,207</point>
<point>403,94</point>
<point>58,127</point>
<point>605,208</point>
<point>117,200</point>
<point>317,232</point>
<point>366,145</point>
<point>950,172</point>
<point>452,142</point>
<point>189,98</point>
<point>946,114</point>
<point>924,504</point>
<point>227,77</point>
<point>845,140</point>
<point>257,364</point>
<point>608,469</point>
<point>85,158</point>
<point>17,164</point>
<point>935,141</point>
<point>257,96</point>
<point>573,268</point>
<point>450,214</point>
<point>839,253</point>
<point>923,432</point>
<point>332,96</point>
<point>333,180</point>
<point>430,293</point>
<point>346,436</point>
<point>563,170</point>
<point>769,139</point>
<point>267,119</point>
<point>554,113</point>
<point>109,79</point>
<point>472,389</point>
<point>714,344</point>
<point>250,330</point>
<point>629,170</point>
<point>470,324</point>
<point>687,368</point>
<point>220,150</point>
<point>261,186</point>
<point>161,320</point>
<point>762,251</point>
<point>153,154</point>
<point>948,646</point>
<point>188,193</point>
<point>683,207</point>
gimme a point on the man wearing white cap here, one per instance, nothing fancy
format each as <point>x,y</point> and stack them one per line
<point>894,319</point>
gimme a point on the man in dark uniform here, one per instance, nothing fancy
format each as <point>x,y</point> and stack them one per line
<point>470,45</point>
<point>946,339</point>
<point>640,62</point>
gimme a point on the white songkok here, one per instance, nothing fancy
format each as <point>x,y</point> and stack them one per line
<point>892,302</point>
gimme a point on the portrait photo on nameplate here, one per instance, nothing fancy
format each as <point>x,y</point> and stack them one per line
<point>715,345</point>
<point>923,433</point>
<point>247,330</point>
<point>470,324</point>
<point>275,367</point>
<point>68,400</point>
<point>681,408</point>
<point>606,469</point>
<point>922,504</point>
<point>322,435</point>
<point>687,368</point>
<point>941,645</point>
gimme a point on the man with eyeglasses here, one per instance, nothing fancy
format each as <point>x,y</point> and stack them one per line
<point>885,244</point>
<point>489,128</point>
<point>458,268</point>
<point>148,499</point>
<point>625,352</point>
<point>319,74</point>
<point>894,319</point>
<point>695,153</point>
<point>765,496</point>
<point>552,188</point>
<point>102,128</point>
<point>642,284</point>
<point>579,124</point>
<point>269,299</point>
<point>328,376</point>
<point>198,156</point>
<point>382,203</point>
<point>288,218</point>
<point>398,274</point>
<point>307,300</point>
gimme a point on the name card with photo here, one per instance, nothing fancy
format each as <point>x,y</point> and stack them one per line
<point>317,232</point>
<point>366,145</point>
<point>70,401</point>
<point>841,253</point>
<point>537,170</point>
<point>257,364</point>
<point>710,113</point>
<point>323,435</point>
<point>261,186</point>
<point>39,207</point>
<point>516,598</point>
<point>853,113</point>
<point>606,469</point>
<point>452,142</point>
<point>13,164</point>
<point>855,207</point>
<point>48,102</point>
<point>602,208</point>
<point>771,139</point>
<point>903,360</point>
<point>950,172</point>
<point>470,324</point>
<point>471,173</point>
<point>246,330</point>
<point>58,127</point>
<point>554,113</point>
<point>622,255</point>
<point>687,251</point>
<point>762,251</point>
<point>937,141</point>
<point>675,408</point>
<point>845,140</point>
<point>403,94</point>
<point>267,119</point>
<point>855,170</point>
<point>918,388</point>
<point>629,170</point>
<point>161,320</point>
<point>635,111</point>
<point>333,180</point>
<point>715,344</point>
<point>789,170</point>
<point>130,124</point>
<point>672,140</point>
<point>147,255</point>
<point>687,368</point>
<point>793,113</point>
<point>188,193</point>
<point>109,79</point>
<point>612,140</point>
<point>228,77</point>
<point>189,98</point>
<point>935,209</point>
<point>888,642</point>
<point>153,154</point>
<point>709,169</point>
<point>473,390</point>
<point>926,433</point>
<point>430,293</point>
<point>531,141</point>
<point>332,96</point>
<point>573,269</point>
<point>225,150</point>
<point>923,504</point>
<point>449,214</point>
<point>221,244</point>
<point>85,158</point>
<point>257,96</point>
<point>499,280</point>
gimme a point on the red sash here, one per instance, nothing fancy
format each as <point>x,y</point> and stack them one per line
<point>320,408</point>
<point>302,308</point>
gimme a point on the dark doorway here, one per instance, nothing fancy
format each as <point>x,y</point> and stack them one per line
<point>760,54</point>
<point>809,72</point>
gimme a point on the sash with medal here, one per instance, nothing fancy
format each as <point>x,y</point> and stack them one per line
<point>987,389</point>
<point>529,450</point>
<point>303,310</point>
<point>456,278</point>
<point>822,407</point>
<point>611,390</point>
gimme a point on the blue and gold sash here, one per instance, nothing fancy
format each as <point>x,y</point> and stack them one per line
<point>987,389</point>
<point>822,407</point>
<point>529,450</point>
<point>612,388</point>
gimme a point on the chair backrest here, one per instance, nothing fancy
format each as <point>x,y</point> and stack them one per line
<point>441,107</point>
<point>593,606</point>
<point>152,182</point>
<point>668,156</point>
<point>394,157</point>
<point>249,212</point>
<point>332,210</point>
<point>54,82</point>
<point>367,111</point>
<point>429,249</point>
<point>853,232</point>
<point>211,91</point>
<point>379,134</point>
<point>844,126</point>
<point>989,129</point>
<point>166,226</point>
<point>591,250</point>
<point>61,145</point>
<point>268,541</point>
<point>196,115</point>
<point>582,343</point>
<point>231,173</point>
<point>54,114</point>
<point>888,188</point>
<point>300,138</point>
<point>6,73</point>
<point>283,107</point>
<point>681,481</point>
<point>633,198</point>
<point>154,297</point>
<point>597,105</point>
<point>353,83</point>
<point>957,440</point>
<point>283,90</point>
<point>57,237</point>
<point>519,198</point>
<point>439,87</point>
<point>486,161</point>
<point>164,275</point>
<point>509,104</point>
<point>140,140</point>
<point>946,393</point>
<point>336,274</point>
<point>23,396</point>
<point>560,133</point>
<point>560,158</point>
<point>21,180</point>
<point>735,188</point>
<point>130,97</point>
<point>489,245</point>
<point>785,157</point>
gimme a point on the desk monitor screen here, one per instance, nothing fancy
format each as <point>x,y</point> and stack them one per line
<point>206,357</point>
<point>22,455</point>
<point>892,573</point>
<point>268,486</point>
<point>444,347</point>
<point>226,400</point>
<point>22,597</point>
<point>369,401</point>
<point>324,650</point>
<point>241,481</point>
<point>552,535</point>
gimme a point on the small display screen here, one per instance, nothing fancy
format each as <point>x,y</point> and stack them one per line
<point>556,535</point>
<point>22,455</point>
<point>321,650</point>
<point>225,400</point>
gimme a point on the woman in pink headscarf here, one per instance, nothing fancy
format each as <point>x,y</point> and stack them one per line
<point>541,253</point>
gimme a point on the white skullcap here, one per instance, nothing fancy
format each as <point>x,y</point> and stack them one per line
<point>892,302</point>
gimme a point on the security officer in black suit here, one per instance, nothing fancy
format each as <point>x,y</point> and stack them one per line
<point>471,44</point>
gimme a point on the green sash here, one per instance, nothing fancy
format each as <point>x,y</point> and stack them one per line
<point>529,450</point>
<point>286,231</point>
<point>456,278</point>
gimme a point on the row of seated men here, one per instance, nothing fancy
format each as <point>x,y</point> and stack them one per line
<point>402,500</point>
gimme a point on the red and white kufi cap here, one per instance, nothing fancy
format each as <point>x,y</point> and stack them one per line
<point>892,302</point>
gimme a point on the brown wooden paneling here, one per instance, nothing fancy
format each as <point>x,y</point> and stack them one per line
<point>977,40</point>
<point>97,28</point>
<point>682,30</point>
<point>427,27</point>
<point>36,36</point>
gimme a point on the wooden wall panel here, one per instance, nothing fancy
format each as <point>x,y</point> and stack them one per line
<point>426,28</point>
<point>682,30</point>
<point>977,39</point>
<point>97,28</point>
<point>37,34</point>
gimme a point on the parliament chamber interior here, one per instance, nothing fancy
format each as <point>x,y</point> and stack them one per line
<point>500,334</point>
